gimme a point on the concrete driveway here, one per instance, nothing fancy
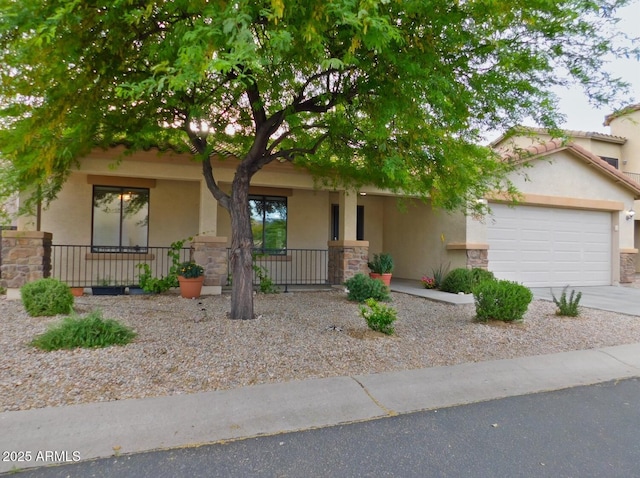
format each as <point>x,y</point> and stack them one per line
<point>625,300</point>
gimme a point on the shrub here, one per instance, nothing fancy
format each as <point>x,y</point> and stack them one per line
<point>381,263</point>
<point>265,283</point>
<point>439,273</point>
<point>501,300</point>
<point>566,307</point>
<point>46,297</point>
<point>463,280</point>
<point>362,288</point>
<point>379,317</point>
<point>90,331</point>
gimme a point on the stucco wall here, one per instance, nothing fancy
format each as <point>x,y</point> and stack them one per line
<point>173,211</point>
<point>417,237</point>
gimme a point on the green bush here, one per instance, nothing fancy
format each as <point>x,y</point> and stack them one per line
<point>566,307</point>
<point>381,263</point>
<point>362,287</point>
<point>464,280</point>
<point>501,300</point>
<point>88,332</point>
<point>379,317</point>
<point>46,297</point>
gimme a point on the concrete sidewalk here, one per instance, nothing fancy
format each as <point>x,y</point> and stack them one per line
<point>130,426</point>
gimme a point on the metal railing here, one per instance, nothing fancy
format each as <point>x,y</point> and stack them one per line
<point>290,267</point>
<point>633,176</point>
<point>79,267</point>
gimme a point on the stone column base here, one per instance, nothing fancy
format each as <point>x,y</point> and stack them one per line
<point>628,265</point>
<point>346,259</point>
<point>211,253</point>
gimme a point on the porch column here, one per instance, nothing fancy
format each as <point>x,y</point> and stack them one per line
<point>628,265</point>
<point>26,257</point>
<point>348,204</point>
<point>477,255</point>
<point>346,259</point>
<point>211,253</point>
<point>208,218</point>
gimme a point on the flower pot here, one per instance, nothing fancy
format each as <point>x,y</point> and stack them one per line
<point>107,290</point>
<point>190,288</point>
<point>77,291</point>
<point>386,278</point>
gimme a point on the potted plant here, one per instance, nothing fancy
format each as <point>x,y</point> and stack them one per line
<point>107,287</point>
<point>190,278</point>
<point>381,267</point>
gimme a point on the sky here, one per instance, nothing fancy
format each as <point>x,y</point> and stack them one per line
<point>574,105</point>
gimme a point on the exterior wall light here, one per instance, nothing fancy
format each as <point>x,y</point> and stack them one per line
<point>630,213</point>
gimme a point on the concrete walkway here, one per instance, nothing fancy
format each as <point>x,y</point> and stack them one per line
<point>624,300</point>
<point>130,426</point>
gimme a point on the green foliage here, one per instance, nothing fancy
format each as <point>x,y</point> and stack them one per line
<point>463,280</point>
<point>46,297</point>
<point>190,270</point>
<point>152,284</point>
<point>379,317</point>
<point>381,263</point>
<point>568,308</point>
<point>439,273</point>
<point>393,93</point>
<point>362,287</point>
<point>265,283</point>
<point>88,332</point>
<point>501,300</point>
<point>156,285</point>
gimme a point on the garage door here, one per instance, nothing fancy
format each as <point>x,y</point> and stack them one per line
<point>542,247</point>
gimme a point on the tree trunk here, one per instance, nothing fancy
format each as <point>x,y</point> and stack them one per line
<point>241,249</point>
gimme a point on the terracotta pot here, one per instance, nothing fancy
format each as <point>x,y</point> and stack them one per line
<point>77,291</point>
<point>190,288</point>
<point>386,278</point>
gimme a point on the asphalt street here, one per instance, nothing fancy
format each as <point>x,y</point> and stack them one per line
<point>589,431</point>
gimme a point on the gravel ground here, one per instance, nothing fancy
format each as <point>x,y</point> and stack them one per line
<point>187,346</point>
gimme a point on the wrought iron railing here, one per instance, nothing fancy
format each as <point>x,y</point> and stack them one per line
<point>79,267</point>
<point>290,267</point>
<point>634,176</point>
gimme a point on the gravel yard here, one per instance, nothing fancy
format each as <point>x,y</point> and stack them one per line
<point>187,346</point>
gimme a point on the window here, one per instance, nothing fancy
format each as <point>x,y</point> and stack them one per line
<point>120,219</point>
<point>612,161</point>
<point>269,223</point>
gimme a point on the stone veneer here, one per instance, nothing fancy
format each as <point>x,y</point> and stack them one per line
<point>26,256</point>
<point>628,267</point>
<point>346,259</point>
<point>477,258</point>
<point>211,253</point>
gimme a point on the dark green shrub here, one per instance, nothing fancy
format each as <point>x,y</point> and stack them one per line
<point>46,297</point>
<point>439,273</point>
<point>362,288</point>
<point>480,275</point>
<point>88,332</point>
<point>463,280</point>
<point>501,300</point>
<point>379,317</point>
<point>566,307</point>
<point>381,263</point>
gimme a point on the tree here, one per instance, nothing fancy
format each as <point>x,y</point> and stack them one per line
<point>384,92</point>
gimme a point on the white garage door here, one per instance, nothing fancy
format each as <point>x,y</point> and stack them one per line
<point>543,247</point>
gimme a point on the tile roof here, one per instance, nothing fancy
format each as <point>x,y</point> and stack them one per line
<point>555,145</point>
<point>570,133</point>
<point>624,111</point>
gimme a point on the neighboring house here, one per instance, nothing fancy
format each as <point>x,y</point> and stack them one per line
<point>573,227</point>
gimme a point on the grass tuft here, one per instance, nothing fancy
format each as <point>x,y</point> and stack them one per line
<point>91,331</point>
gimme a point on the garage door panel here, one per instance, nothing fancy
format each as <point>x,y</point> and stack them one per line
<point>550,247</point>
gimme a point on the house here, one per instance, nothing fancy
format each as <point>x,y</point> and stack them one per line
<point>574,225</point>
